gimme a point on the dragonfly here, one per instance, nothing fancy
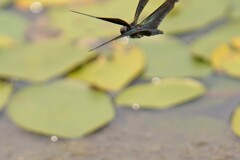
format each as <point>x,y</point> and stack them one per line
<point>148,27</point>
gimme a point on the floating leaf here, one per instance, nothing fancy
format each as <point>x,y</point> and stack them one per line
<point>115,73</point>
<point>8,30</point>
<point>190,15</point>
<point>41,61</point>
<point>65,108</point>
<point>168,93</point>
<point>205,45</point>
<point>4,2</point>
<point>5,90</point>
<point>235,8</point>
<point>168,57</point>
<point>236,121</point>
<point>227,59</point>
<point>25,4</point>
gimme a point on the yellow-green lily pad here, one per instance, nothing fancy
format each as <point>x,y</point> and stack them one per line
<point>167,57</point>
<point>227,59</point>
<point>64,108</point>
<point>12,30</point>
<point>235,123</point>
<point>205,45</point>
<point>166,93</point>
<point>41,61</point>
<point>114,73</point>
<point>5,91</point>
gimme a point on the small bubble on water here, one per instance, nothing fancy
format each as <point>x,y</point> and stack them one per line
<point>36,7</point>
<point>156,81</point>
<point>136,106</point>
<point>54,138</point>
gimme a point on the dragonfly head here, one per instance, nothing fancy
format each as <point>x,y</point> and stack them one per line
<point>124,29</point>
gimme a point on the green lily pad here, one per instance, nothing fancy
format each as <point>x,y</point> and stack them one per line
<point>189,16</point>
<point>235,123</point>
<point>235,9</point>
<point>12,29</point>
<point>115,73</point>
<point>41,61</point>
<point>65,108</point>
<point>205,45</point>
<point>5,91</point>
<point>4,2</point>
<point>169,57</point>
<point>167,93</point>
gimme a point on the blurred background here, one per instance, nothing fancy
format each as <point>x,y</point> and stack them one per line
<point>169,97</point>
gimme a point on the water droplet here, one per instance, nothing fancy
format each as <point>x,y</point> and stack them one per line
<point>54,138</point>
<point>156,81</point>
<point>36,7</point>
<point>124,40</point>
<point>135,106</point>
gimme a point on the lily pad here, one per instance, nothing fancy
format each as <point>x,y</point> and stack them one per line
<point>115,73</point>
<point>12,30</point>
<point>4,2</point>
<point>5,91</point>
<point>25,4</point>
<point>168,57</point>
<point>167,93</point>
<point>235,9</point>
<point>189,16</point>
<point>41,61</point>
<point>204,46</point>
<point>235,123</point>
<point>65,108</point>
<point>227,59</point>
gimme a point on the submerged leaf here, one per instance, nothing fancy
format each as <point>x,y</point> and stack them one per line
<point>41,61</point>
<point>167,93</point>
<point>65,108</point>
<point>115,73</point>
<point>168,57</point>
<point>5,91</point>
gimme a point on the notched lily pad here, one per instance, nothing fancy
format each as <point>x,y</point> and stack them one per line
<point>114,73</point>
<point>167,93</point>
<point>65,108</point>
<point>41,61</point>
<point>5,91</point>
<point>167,57</point>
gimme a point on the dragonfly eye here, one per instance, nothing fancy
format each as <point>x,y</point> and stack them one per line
<point>123,29</point>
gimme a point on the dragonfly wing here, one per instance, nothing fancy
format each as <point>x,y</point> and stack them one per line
<point>146,31</point>
<point>112,20</point>
<point>154,20</point>
<point>140,7</point>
